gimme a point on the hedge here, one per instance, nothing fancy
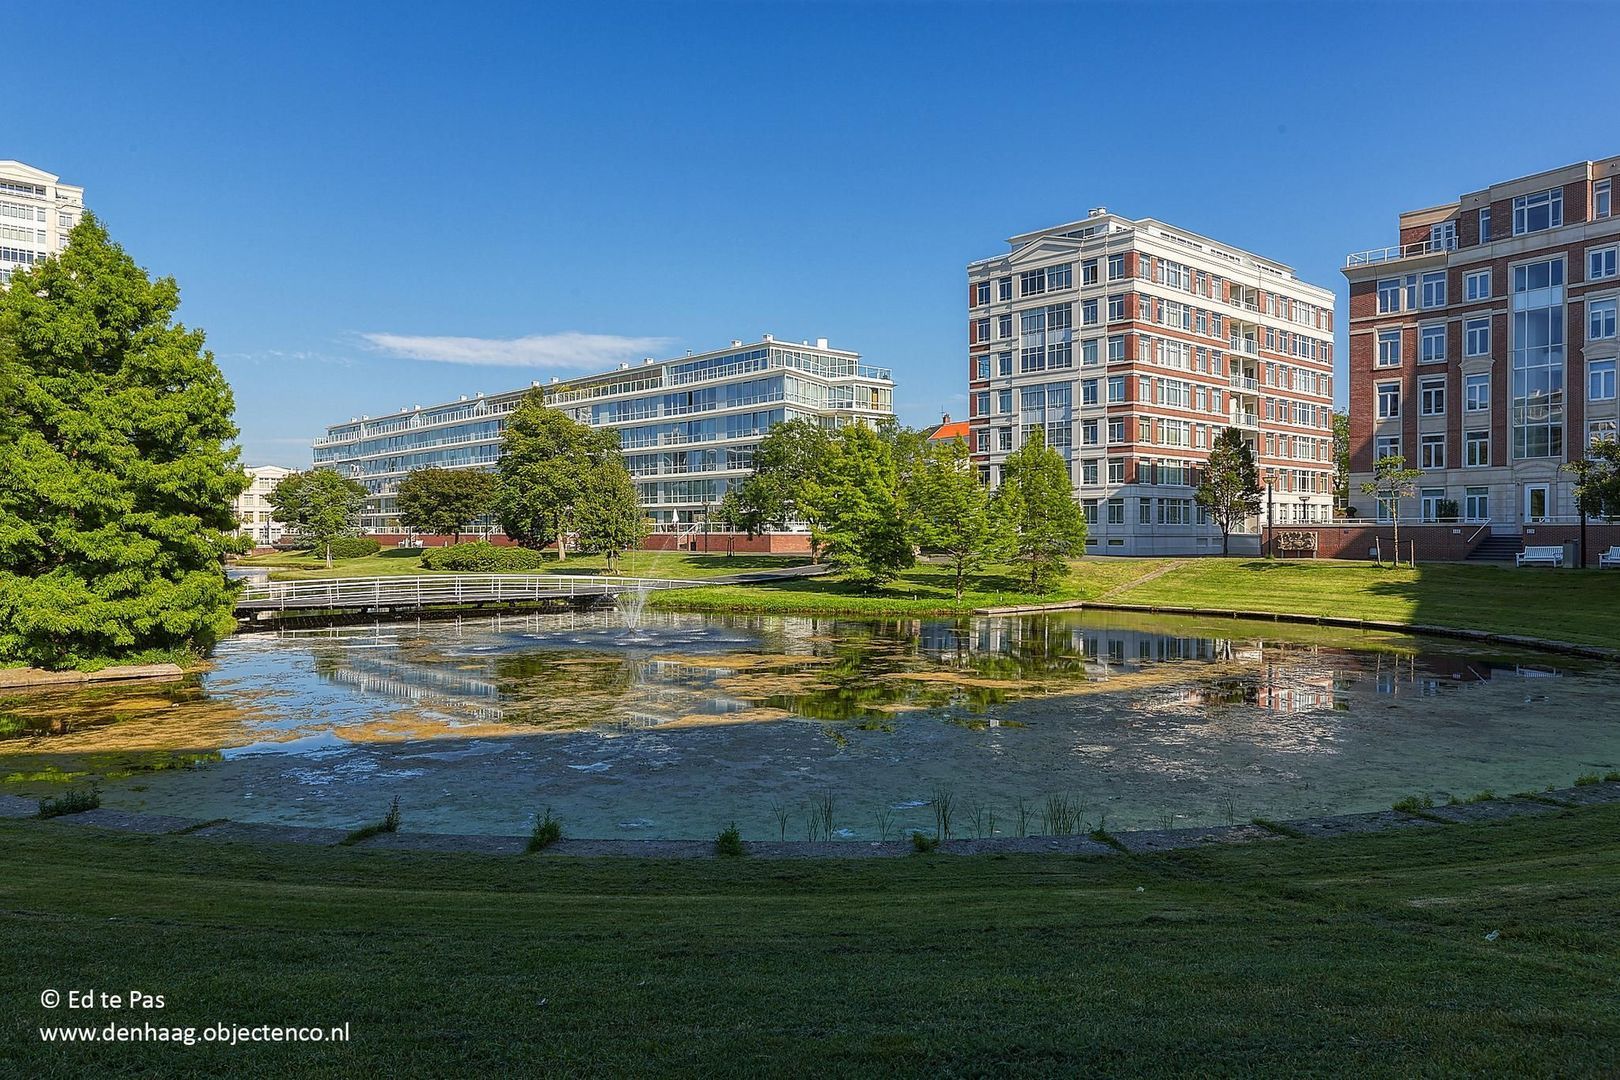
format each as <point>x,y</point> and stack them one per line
<point>351,547</point>
<point>482,557</point>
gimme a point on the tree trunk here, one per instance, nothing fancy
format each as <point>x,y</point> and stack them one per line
<point>1396,518</point>
<point>329,554</point>
<point>1226,541</point>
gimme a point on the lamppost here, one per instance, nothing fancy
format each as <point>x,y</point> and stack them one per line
<point>1271,483</point>
<point>705,526</point>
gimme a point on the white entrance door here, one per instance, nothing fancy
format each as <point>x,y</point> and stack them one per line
<point>1536,503</point>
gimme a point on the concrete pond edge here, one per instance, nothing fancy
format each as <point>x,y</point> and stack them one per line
<point>1141,842</point>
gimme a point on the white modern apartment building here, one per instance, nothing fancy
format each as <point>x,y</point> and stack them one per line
<point>36,212</point>
<point>688,426</point>
<point>1131,344</point>
<point>254,517</point>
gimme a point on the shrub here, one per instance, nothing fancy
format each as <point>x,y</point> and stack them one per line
<point>1587,779</point>
<point>72,801</point>
<point>547,831</point>
<point>352,547</point>
<point>924,845</point>
<point>729,843</point>
<point>1413,803</point>
<point>482,557</point>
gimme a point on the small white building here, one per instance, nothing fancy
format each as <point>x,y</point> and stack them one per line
<point>36,213</point>
<point>254,517</point>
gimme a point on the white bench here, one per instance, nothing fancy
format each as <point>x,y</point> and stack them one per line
<point>1610,560</point>
<point>1541,556</point>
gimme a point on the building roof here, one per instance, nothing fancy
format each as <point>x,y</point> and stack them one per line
<point>957,429</point>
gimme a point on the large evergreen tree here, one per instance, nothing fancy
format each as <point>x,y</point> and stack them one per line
<point>320,505</point>
<point>444,501</point>
<point>117,469</point>
<point>1036,499</point>
<point>952,510</point>
<point>1230,490</point>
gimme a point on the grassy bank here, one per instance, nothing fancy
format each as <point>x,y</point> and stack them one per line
<point>1580,606</point>
<point>1359,956</point>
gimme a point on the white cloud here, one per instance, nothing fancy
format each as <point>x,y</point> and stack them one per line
<point>566,350</point>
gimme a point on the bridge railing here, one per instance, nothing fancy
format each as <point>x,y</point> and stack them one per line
<point>422,591</point>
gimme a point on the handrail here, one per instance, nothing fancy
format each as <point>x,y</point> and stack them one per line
<point>1397,251</point>
<point>443,589</point>
<point>1475,536</point>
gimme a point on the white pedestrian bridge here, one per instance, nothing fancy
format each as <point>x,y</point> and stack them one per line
<point>401,593</point>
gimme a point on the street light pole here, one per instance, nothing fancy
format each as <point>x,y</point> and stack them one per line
<point>1271,487</point>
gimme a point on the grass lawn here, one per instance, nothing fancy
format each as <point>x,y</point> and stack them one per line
<point>1566,605</point>
<point>925,589</point>
<point>285,566</point>
<point>1362,956</point>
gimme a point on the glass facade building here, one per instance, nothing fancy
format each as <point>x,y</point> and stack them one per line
<point>688,427</point>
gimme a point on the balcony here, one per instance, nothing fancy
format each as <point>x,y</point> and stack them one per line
<point>1246,346</point>
<point>1374,256</point>
<point>1244,383</point>
<point>1248,421</point>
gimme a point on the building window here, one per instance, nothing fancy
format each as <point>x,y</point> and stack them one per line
<point>1432,344</point>
<point>1088,433</point>
<point>1088,475</point>
<point>1477,393</point>
<point>1477,504</point>
<point>1116,388</point>
<point>1389,295</point>
<point>981,293</point>
<point>1088,272</point>
<point>981,403</point>
<point>1476,449</point>
<point>1088,351</point>
<point>1088,391</point>
<point>1116,267</point>
<point>1116,348</point>
<point>984,442</point>
<point>1116,470</point>
<point>1600,380</point>
<point>1032,282</point>
<point>1538,212</point>
<point>1601,431</point>
<point>1387,446</point>
<point>1477,285</point>
<point>1434,289</point>
<point>1485,225</point>
<point>1537,402</point>
<point>1116,507</point>
<point>1004,288</point>
<point>981,330</point>
<point>1431,451</point>
<point>1389,348</point>
<point>1477,337</point>
<point>981,366</point>
<point>1003,402</point>
<point>1088,312</point>
<point>1004,326</point>
<point>1600,199</point>
<point>1004,438</point>
<point>1389,401</point>
<point>1432,397</point>
<point>1600,319</point>
<point>1116,430</point>
<point>1600,263</point>
<point>1116,307</point>
<point>1429,500</point>
<point>1443,236</point>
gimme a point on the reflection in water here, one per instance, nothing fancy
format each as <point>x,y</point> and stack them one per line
<point>690,720</point>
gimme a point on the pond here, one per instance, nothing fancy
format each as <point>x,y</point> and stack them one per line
<point>793,727</point>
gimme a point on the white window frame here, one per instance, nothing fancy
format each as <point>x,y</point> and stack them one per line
<point>1602,199</point>
<point>1389,358</point>
<point>1552,198</point>
<point>1432,450</point>
<point>1477,285</point>
<point>1601,317</point>
<point>1474,402</point>
<point>1380,411</point>
<point>1600,380</point>
<point>1477,441</point>
<point>1601,262</point>
<point>1477,337</point>
<point>1433,288</point>
<point>1428,335</point>
<point>1432,396</point>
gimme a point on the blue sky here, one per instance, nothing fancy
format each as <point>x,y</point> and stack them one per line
<point>669,177</point>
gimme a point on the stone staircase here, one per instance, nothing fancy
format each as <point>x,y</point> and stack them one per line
<point>1497,549</point>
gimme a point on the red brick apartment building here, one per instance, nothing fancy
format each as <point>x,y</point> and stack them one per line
<point>1130,344</point>
<point>1483,349</point>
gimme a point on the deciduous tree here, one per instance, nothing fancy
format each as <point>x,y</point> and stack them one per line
<point>444,500</point>
<point>609,518</point>
<point>1036,499</point>
<point>320,505</point>
<point>1392,481</point>
<point>547,460</point>
<point>1230,490</point>
<point>952,509</point>
<point>856,511</point>
<point>786,465</point>
<point>117,470</point>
